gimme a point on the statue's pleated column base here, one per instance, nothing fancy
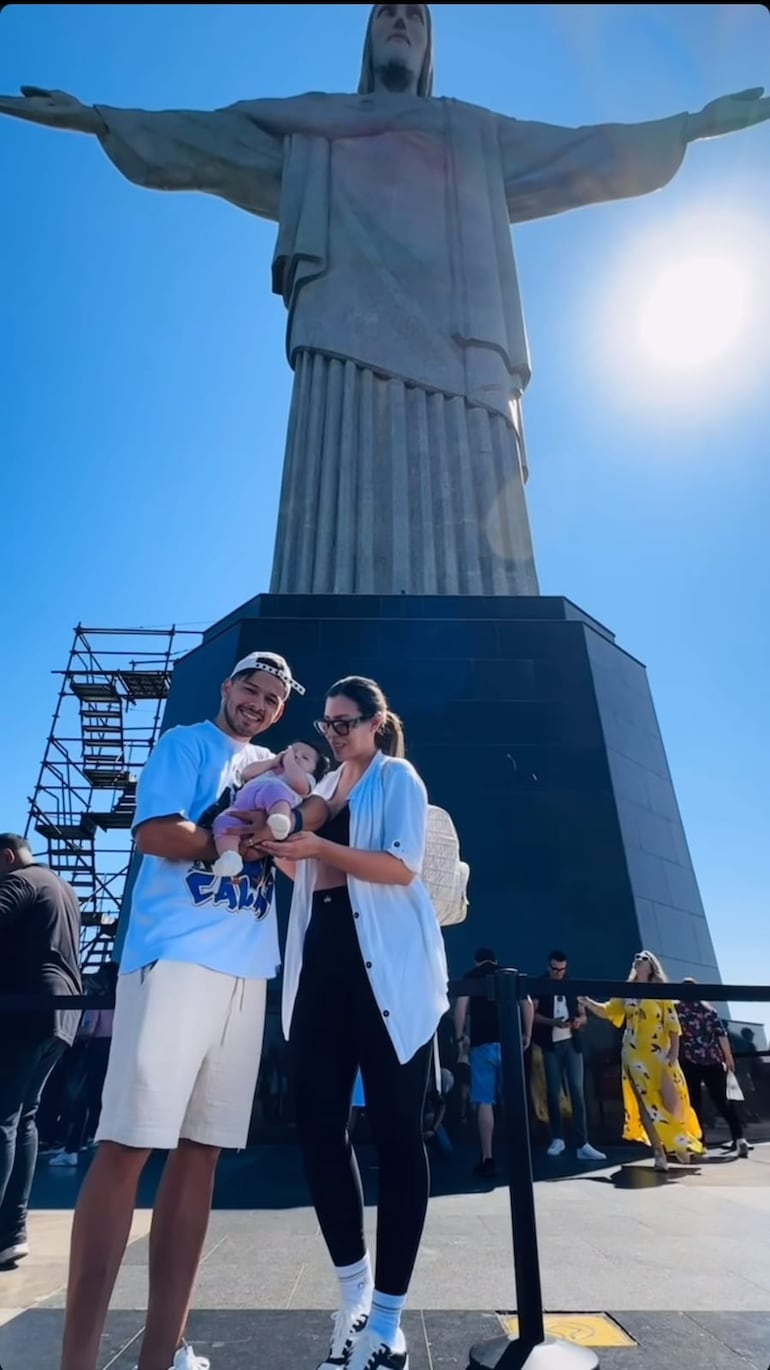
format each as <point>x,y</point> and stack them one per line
<point>390,489</point>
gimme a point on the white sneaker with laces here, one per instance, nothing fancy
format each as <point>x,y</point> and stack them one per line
<point>186,1359</point>
<point>346,1327</point>
<point>370,1353</point>
<point>589,1153</point>
<point>557,1147</point>
<point>64,1158</point>
<point>17,1252</point>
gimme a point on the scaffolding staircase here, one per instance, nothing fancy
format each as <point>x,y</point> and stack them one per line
<point>106,722</point>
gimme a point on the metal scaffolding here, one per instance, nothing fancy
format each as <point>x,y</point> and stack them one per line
<point>105,725</point>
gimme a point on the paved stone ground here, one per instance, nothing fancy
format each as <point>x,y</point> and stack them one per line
<point>618,1239</point>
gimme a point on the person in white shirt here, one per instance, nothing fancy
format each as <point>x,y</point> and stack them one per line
<point>189,1019</point>
<point>365,985</point>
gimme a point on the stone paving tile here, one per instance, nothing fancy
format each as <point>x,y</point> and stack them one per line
<point>675,1340</point>
<point>746,1336</point>
<point>33,1340</point>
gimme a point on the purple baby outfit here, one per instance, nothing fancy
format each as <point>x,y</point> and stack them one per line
<point>262,793</point>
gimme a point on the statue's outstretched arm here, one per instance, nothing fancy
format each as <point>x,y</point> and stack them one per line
<point>548,169</point>
<point>219,152</point>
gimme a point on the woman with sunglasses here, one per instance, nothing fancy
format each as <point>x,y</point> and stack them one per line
<point>657,1106</point>
<point>365,985</point>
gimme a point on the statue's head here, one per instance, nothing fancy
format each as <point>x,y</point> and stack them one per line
<point>398,49</point>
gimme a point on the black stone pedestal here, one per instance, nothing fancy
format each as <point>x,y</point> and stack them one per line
<point>538,734</point>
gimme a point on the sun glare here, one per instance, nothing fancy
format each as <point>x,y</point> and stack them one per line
<point>682,313</point>
<point>694,312</point>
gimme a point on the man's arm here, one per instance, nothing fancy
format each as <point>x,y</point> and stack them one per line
<point>165,796</point>
<point>727,1052</point>
<point>460,1016</point>
<point>175,839</point>
<point>15,898</point>
<point>541,1018</point>
<point>549,169</point>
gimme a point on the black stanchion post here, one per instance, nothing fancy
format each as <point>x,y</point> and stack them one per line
<point>531,1350</point>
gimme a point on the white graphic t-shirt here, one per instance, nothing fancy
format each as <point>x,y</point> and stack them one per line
<point>181,911</point>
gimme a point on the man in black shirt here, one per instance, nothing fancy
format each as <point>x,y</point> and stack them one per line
<point>559,1021</point>
<point>485,1056</point>
<point>40,955</point>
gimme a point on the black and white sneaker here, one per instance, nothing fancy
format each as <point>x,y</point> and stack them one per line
<point>346,1327</point>
<point>370,1353</point>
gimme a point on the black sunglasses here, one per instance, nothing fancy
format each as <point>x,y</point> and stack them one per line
<point>339,726</point>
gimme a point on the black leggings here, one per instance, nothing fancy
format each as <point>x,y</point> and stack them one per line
<point>715,1080</point>
<point>336,1027</point>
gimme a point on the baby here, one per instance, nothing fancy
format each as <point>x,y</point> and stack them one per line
<point>275,786</point>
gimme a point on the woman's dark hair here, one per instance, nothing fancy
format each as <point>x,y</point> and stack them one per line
<point>370,700</point>
<point>322,764</point>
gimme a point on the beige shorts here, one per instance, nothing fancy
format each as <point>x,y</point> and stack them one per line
<point>184,1059</point>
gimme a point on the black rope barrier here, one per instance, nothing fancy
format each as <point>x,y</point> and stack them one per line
<point>531,1349</point>
<point>477,988</point>
<point>484,987</point>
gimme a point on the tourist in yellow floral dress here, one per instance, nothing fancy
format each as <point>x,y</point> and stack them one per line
<point>657,1105</point>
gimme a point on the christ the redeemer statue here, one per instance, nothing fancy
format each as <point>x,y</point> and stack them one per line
<point>404,469</point>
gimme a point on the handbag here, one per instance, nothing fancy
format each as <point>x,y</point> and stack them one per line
<point>734,1091</point>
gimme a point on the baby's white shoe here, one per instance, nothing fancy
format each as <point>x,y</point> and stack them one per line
<point>229,863</point>
<point>279,825</point>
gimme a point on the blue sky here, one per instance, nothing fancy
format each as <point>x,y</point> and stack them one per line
<point>145,390</point>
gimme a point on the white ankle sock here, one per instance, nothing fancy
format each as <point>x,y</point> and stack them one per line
<point>385,1317</point>
<point>355,1284</point>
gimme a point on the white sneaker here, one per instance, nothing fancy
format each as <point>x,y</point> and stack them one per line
<point>370,1353</point>
<point>14,1253</point>
<point>346,1327</point>
<point>229,863</point>
<point>589,1153</point>
<point>557,1147</point>
<point>186,1359</point>
<point>64,1158</point>
<point>743,1148</point>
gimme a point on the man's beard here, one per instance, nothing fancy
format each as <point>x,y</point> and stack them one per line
<point>395,76</point>
<point>236,726</point>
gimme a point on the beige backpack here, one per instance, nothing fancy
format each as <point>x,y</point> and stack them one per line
<point>443,874</point>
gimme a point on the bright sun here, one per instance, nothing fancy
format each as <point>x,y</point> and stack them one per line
<point>694,312</point>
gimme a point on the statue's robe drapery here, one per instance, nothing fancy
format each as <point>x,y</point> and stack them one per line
<point>404,467</point>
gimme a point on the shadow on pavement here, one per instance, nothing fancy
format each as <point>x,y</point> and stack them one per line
<point>271,1177</point>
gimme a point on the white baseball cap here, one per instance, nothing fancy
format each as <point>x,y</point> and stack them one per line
<point>272,664</point>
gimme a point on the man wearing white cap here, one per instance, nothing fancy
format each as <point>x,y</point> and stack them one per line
<point>189,1019</point>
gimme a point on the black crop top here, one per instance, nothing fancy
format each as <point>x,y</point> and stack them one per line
<point>338,828</point>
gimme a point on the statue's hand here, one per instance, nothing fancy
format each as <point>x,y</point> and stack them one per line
<point>730,113</point>
<point>52,107</point>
